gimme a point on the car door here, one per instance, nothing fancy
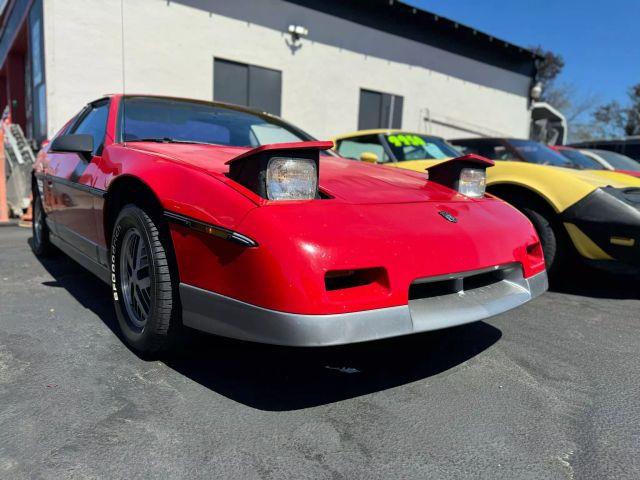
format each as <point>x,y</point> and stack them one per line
<point>71,178</point>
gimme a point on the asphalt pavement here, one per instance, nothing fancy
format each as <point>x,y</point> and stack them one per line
<point>548,391</point>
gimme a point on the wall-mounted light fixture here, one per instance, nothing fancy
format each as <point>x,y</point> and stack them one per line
<point>297,32</point>
<point>536,91</point>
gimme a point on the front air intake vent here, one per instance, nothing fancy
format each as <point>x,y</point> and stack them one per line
<point>447,300</point>
<point>465,282</point>
<point>343,279</point>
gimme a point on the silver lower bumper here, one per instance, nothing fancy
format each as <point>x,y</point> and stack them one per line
<point>214,313</point>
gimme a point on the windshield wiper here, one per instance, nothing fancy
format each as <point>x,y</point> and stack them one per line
<point>166,140</point>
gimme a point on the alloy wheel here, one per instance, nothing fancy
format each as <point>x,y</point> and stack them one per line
<point>135,278</point>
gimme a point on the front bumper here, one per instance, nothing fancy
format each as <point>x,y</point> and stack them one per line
<point>214,313</point>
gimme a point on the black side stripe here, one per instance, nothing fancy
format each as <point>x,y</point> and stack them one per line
<point>210,229</point>
<point>78,186</point>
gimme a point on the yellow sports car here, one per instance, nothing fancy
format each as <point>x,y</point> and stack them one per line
<point>595,211</point>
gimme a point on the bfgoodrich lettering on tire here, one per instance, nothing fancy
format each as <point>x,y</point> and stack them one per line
<point>143,285</point>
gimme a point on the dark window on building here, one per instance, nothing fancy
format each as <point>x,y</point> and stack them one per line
<point>248,85</point>
<point>379,110</point>
<point>36,88</point>
<point>93,121</point>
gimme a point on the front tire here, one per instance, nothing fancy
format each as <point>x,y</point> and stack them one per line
<point>553,240</point>
<point>144,287</point>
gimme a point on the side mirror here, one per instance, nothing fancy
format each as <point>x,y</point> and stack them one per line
<point>369,157</point>
<point>80,143</point>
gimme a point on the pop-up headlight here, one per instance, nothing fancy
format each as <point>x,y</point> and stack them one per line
<point>466,174</point>
<point>291,179</point>
<point>472,182</point>
<point>281,171</point>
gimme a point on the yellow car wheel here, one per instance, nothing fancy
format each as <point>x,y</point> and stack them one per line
<point>556,246</point>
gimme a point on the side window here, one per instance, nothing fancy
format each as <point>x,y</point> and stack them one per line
<point>354,147</point>
<point>466,149</point>
<point>500,152</point>
<point>94,122</point>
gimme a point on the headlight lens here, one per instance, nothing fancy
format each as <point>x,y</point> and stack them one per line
<point>473,182</point>
<point>291,179</point>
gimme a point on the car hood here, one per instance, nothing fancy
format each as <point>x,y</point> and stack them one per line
<point>594,178</point>
<point>349,181</point>
<point>616,176</point>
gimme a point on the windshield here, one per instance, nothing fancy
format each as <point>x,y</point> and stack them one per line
<point>164,119</point>
<point>409,146</point>
<point>534,152</point>
<point>580,160</point>
<point>618,161</point>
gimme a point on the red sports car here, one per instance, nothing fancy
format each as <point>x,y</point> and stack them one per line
<point>237,223</point>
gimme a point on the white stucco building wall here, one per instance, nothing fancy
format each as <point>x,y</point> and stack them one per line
<point>170,46</point>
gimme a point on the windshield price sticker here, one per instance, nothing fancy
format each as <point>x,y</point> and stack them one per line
<point>401,140</point>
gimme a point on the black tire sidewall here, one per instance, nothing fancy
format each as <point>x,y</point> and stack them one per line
<point>549,237</point>
<point>42,247</point>
<point>145,339</point>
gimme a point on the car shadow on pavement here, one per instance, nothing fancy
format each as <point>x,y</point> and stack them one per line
<point>612,281</point>
<point>277,378</point>
<point>87,289</point>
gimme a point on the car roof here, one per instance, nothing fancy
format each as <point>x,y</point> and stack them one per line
<point>233,106</point>
<point>488,139</point>
<point>631,140</point>
<point>592,151</point>
<point>478,139</point>
<point>383,131</point>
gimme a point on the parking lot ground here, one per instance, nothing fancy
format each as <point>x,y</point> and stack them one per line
<point>548,391</point>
